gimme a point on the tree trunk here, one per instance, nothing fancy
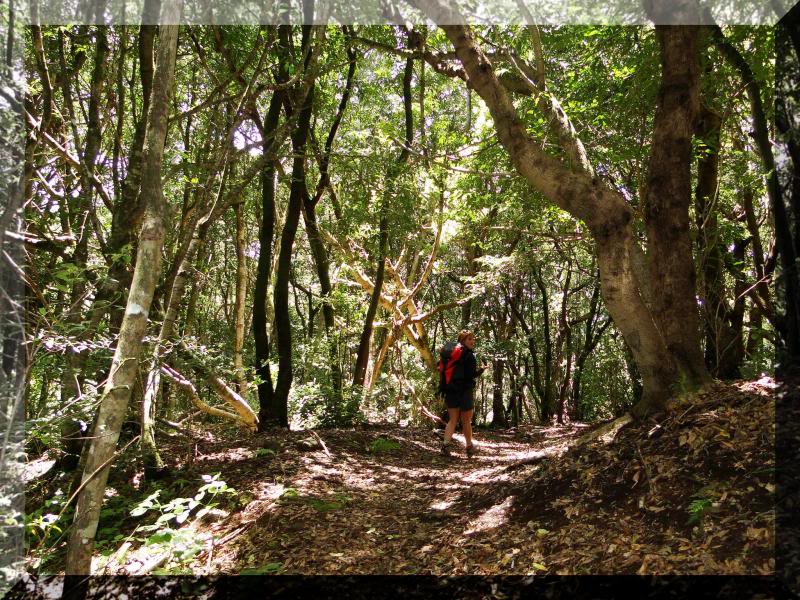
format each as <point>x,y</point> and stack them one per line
<point>668,198</point>
<point>762,275</point>
<point>241,296</point>
<point>604,210</point>
<point>264,268</point>
<point>362,356</point>
<point>498,408</point>
<point>322,264</point>
<point>548,368</point>
<point>277,410</point>
<point>720,338</point>
<point>117,392</point>
<point>565,382</point>
<point>318,250</point>
<point>129,208</point>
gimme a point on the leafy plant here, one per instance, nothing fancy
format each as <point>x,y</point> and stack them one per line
<point>698,510</point>
<point>45,526</point>
<point>267,569</point>
<point>182,544</point>
<point>381,445</point>
<point>179,509</point>
<point>335,502</point>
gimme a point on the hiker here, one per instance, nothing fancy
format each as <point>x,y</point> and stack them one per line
<point>459,372</point>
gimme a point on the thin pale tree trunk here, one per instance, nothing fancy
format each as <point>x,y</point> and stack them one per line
<point>241,296</point>
<point>117,392</point>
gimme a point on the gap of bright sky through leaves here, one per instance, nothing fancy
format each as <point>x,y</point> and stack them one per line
<point>441,12</point>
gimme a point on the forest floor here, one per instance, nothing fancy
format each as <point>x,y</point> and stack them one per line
<point>690,494</point>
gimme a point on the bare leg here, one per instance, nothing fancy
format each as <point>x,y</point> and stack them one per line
<point>452,413</point>
<point>466,426</point>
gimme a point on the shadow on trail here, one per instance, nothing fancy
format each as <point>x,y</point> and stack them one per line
<point>347,510</point>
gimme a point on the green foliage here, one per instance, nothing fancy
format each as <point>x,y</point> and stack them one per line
<point>45,527</point>
<point>179,509</point>
<point>335,501</point>
<point>698,509</point>
<point>273,568</point>
<point>382,445</point>
<point>166,533</point>
<point>316,405</point>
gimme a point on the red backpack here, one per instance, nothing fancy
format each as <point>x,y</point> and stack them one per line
<point>451,370</point>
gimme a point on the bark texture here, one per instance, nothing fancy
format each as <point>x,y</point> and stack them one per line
<point>117,392</point>
<point>669,195</point>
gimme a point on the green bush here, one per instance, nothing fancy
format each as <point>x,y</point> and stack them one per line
<point>381,445</point>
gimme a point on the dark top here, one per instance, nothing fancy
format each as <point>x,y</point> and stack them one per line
<point>471,370</point>
<point>461,396</point>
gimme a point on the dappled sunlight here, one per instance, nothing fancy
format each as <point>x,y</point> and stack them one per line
<point>375,507</point>
<point>492,518</point>
<point>441,505</point>
<point>227,455</point>
<point>490,475</point>
<point>358,506</point>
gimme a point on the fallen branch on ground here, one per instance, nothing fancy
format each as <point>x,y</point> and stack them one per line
<point>186,385</point>
<point>606,433</point>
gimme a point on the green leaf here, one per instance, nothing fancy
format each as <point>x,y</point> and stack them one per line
<point>161,537</point>
<point>263,570</point>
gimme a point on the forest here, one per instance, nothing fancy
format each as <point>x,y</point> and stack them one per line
<point>241,249</point>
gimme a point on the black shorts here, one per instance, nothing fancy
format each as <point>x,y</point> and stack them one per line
<point>462,400</point>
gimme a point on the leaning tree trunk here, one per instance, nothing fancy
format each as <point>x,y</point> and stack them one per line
<point>124,367</point>
<point>362,356</point>
<point>586,197</point>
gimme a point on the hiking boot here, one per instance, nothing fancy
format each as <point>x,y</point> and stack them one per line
<point>445,449</point>
<point>471,451</point>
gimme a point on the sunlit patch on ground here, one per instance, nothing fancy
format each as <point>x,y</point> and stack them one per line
<point>490,519</point>
<point>441,506</point>
<point>228,455</point>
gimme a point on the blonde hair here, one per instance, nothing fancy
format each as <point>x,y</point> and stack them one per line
<point>464,334</point>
